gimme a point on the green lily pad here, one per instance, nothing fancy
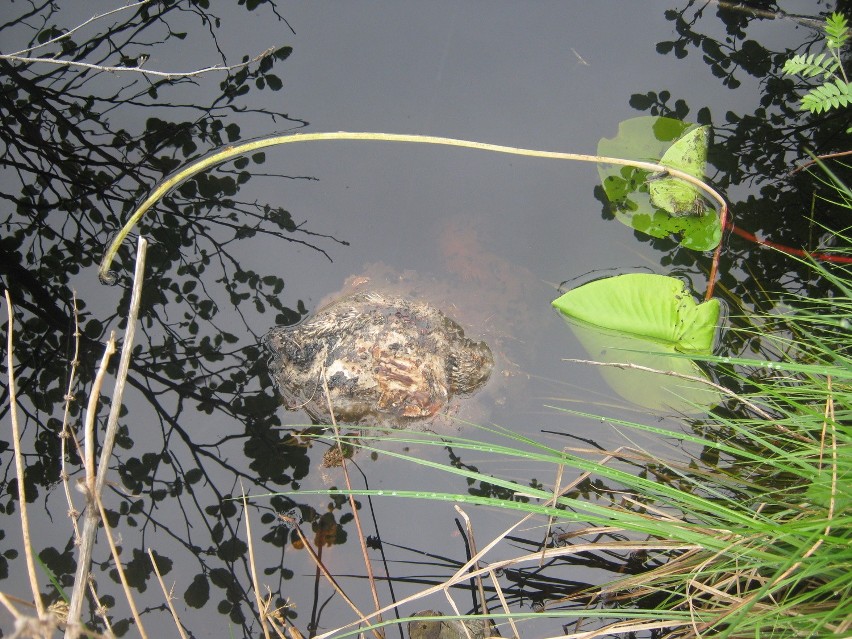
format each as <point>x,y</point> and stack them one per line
<point>688,154</point>
<point>653,307</point>
<point>677,208</point>
<point>646,320</point>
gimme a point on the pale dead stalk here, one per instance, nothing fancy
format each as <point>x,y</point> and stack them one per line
<point>356,517</point>
<point>463,573</point>
<point>94,489</point>
<point>471,540</point>
<point>68,33</point>
<point>120,569</point>
<point>67,432</point>
<point>321,567</point>
<point>167,594</point>
<point>19,463</point>
<point>503,603</point>
<point>5,600</point>
<point>262,606</point>
<point>123,366</point>
<point>91,413</point>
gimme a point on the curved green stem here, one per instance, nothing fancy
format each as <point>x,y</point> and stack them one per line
<point>240,149</point>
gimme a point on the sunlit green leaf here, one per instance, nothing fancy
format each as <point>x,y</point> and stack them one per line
<point>644,320</point>
<point>628,189</point>
<point>654,307</point>
<point>688,154</point>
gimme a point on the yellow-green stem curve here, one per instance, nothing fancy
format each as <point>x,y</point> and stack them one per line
<point>233,151</point>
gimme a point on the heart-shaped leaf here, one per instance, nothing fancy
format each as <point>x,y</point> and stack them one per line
<point>645,320</point>
<point>644,305</point>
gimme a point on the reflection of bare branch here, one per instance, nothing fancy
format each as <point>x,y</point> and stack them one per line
<point>80,26</point>
<point>168,75</point>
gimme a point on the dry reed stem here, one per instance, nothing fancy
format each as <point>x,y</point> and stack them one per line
<point>19,463</point>
<point>167,594</point>
<point>67,433</point>
<point>123,365</point>
<point>464,573</point>
<point>356,517</point>
<point>10,607</point>
<point>91,412</point>
<point>557,483</point>
<point>262,607</point>
<point>90,524</point>
<point>503,603</point>
<point>120,569</point>
<point>471,540</point>
<point>94,489</point>
<point>622,628</point>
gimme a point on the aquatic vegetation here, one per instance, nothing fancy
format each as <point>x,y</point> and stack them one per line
<point>638,323</point>
<point>655,202</point>
<point>751,536</point>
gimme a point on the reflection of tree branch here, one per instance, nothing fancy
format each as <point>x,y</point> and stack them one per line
<point>168,75</point>
<point>80,26</point>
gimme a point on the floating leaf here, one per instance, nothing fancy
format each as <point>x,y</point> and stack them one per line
<point>654,307</point>
<point>645,320</point>
<point>628,189</point>
<point>688,154</point>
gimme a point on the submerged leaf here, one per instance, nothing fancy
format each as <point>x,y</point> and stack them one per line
<point>681,392</point>
<point>688,154</point>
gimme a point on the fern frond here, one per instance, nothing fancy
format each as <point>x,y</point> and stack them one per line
<point>836,31</point>
<point>830,95</point>
<point>808,66</point>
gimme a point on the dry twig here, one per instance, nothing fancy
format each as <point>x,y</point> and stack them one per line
<point>19,464</point>
<point>167,594</point>
<point>93,489</point>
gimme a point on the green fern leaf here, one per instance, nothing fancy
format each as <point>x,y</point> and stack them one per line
<point>836,31</point>
<point>829,95</point>
<point>811,65</point>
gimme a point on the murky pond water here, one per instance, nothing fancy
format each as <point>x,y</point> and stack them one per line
<point>486,238</point>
